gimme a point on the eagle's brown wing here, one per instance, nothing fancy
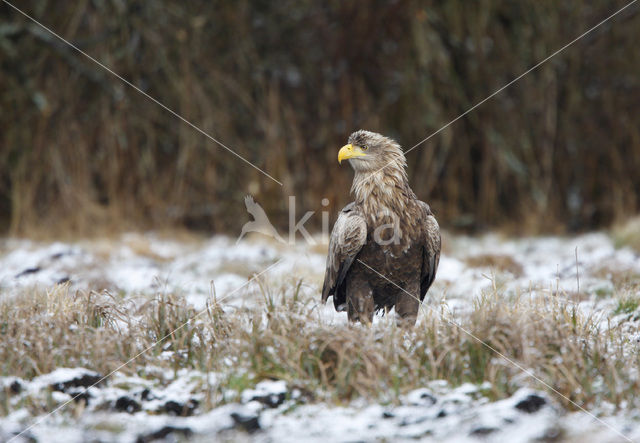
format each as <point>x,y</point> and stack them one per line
<point>430,249</point>
<point>348,236</point>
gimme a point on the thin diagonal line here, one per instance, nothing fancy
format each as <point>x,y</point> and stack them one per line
<point>41,419</point>
<point>127,82</point>
<point>515,80</point>
<point>526,371</point>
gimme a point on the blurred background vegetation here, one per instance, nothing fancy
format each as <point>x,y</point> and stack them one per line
<point>284,83</point>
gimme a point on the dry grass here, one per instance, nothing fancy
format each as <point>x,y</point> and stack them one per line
<point>628,234</point>
<point>504,263</point>
<point>284,338</point>
<point>620,277</point>
<point>42,331</point>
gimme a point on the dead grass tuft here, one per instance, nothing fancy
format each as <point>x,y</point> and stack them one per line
<point>504,263</point>
<point>622,278</point>
<point>42,331</point>
<point>627,234</point>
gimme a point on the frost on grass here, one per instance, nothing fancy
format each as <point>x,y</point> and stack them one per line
<point>268,362</point>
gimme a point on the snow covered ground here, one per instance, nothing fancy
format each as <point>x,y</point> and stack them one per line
<point>271,413</point>
<point>582,270</point>
<point>138,263</point>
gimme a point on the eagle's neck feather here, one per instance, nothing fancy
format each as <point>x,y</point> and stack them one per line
<point>383,194</point>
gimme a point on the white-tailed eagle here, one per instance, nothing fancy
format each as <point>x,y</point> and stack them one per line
<point>384,249</point>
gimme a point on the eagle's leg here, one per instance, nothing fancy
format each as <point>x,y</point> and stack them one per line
<point>407,305</point>
<point>360,306</point>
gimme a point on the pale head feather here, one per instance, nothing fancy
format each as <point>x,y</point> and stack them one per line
<point>380,179</point>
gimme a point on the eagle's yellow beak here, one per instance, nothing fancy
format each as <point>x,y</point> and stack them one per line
<point>349,151</point>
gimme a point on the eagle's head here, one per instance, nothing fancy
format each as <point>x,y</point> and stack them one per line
<point>370,152</point>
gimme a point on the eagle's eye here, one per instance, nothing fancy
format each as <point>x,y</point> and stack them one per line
<point>364,147</point>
